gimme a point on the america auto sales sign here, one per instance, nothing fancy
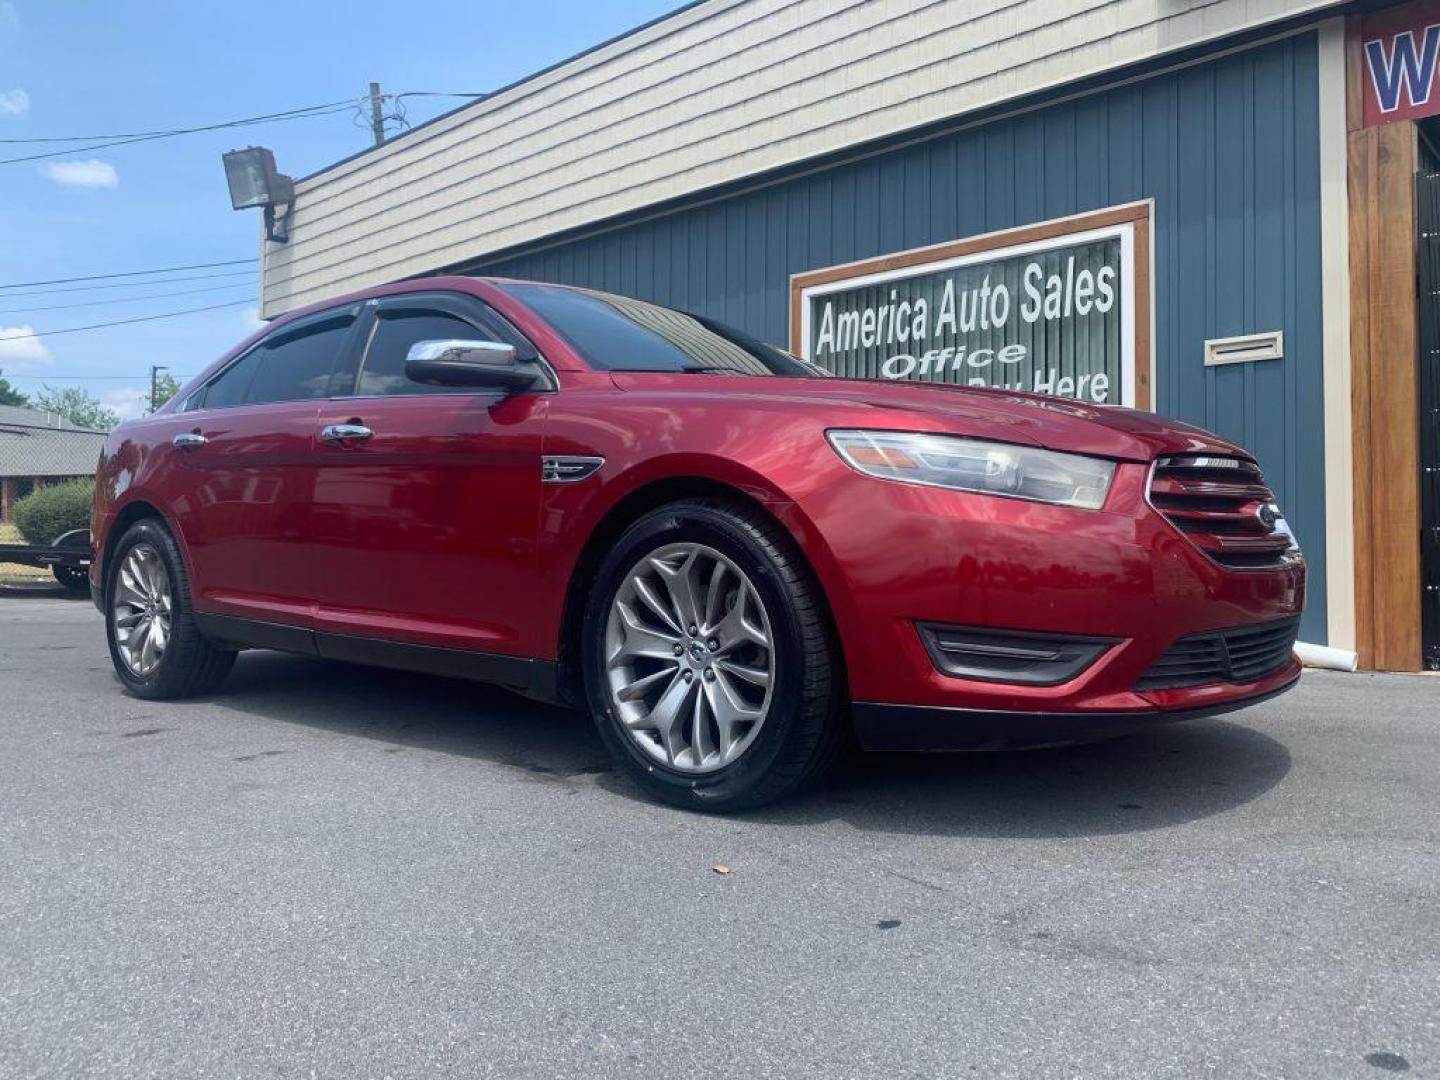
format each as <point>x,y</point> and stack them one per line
<point>1059,308</point>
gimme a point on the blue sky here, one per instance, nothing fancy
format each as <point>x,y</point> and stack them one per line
<point>73,68</point>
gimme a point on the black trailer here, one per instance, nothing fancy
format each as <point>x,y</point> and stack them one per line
<point>68,558</point>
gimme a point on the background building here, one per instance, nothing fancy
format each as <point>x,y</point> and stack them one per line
<point>1209,210</point>
<point>39,448</point>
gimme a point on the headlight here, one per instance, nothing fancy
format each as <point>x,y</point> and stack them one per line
<point>990,468</point>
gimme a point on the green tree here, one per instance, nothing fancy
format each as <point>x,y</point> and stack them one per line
<point>166,387</point>
<point>78,406</point>
<point>9,395</point>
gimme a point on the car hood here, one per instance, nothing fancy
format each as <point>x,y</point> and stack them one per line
<point>1034,419</point>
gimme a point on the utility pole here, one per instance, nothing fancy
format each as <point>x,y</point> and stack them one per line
<point>155,370</point>
<point>377,114</point>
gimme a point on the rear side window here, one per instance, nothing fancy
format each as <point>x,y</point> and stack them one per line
<point>290,366</point>
<point>383,371</point>
<point>298,367</point>
<point>229,387</point>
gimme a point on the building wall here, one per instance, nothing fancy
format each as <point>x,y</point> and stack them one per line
<point>1229,152</point>
<point>717,92</point>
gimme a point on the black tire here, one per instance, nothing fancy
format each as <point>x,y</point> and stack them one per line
<point>74,578</point>
<point>190,664</point>
<point>802,731</point>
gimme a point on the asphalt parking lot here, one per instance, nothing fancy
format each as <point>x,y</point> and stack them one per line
<point>331,871</point>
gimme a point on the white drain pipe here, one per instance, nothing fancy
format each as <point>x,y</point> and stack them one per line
<point>1322,656</point>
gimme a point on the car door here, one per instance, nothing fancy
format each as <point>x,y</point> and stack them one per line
<point>426,514</point>
<point>244,451</point>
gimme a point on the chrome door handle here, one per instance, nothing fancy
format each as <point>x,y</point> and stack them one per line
<point>188,440</point>
<point>339,434</point>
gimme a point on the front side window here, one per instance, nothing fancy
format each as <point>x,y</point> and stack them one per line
<point>614,333</point>
<point>383,370</point>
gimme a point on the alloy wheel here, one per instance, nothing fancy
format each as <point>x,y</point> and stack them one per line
<point>141,609</point>
<point>689,658</point>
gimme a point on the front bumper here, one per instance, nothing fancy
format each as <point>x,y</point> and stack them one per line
<point>928,727</point>
<point>899,557</point>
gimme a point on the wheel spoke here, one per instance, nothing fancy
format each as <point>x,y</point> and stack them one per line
<point>641,640</point>
<point>700,747</point>
<point>730,711</point>
<point>130,584</point>
<point>680,583</point>
<point>662,610</point>
<point>636,690</point>
<point>755,676</point>
<point>714,594</point>
<point>667,712</point>
<point>736,629</point>
<point>159,634</point>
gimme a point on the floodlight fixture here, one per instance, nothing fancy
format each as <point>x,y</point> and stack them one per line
<point>254,182</point>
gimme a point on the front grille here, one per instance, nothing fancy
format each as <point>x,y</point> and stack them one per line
<point>1225,508</point>
<point>1239,655</point>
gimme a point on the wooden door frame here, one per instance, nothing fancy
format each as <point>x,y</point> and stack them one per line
<point>1385,402</point>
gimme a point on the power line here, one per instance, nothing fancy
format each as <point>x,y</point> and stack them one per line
<point>126,273</point>
<point>103,142</point>
<point>179,131</point>
<point>127,284</point>
<point>98,378</point>
<point>122,322</point>
<point>295,114</point>
<point>122,299</point>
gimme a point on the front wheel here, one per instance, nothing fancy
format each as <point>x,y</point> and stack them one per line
<point>708,659</point>
<point>157,649</point>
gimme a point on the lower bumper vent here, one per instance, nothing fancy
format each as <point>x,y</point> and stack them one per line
<point>1012,656</point>
<point>1240,655</point>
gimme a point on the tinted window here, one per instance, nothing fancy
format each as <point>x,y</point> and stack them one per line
<point>384,368</point>
<point>299,367</point>
<point>229,387</point>
<point>617,334</point>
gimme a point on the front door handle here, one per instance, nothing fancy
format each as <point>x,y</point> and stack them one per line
<point>341,434</point>
<point>188,440</point>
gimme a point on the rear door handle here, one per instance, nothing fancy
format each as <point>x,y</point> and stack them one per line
<point>340,434</point>
<point>188,440</point>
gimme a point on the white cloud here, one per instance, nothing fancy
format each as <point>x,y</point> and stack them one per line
<point>127,402</point>
<point>91,173</point>
<point>18,351</point>
<point>251,321</point>
<point>14,103</point>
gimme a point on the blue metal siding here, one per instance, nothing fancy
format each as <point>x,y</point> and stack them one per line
<point>1229,151</point>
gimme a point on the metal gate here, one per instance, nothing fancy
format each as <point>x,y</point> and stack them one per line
<point>1427,220</point>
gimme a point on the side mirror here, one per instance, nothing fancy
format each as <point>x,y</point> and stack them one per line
<point>466,363</point>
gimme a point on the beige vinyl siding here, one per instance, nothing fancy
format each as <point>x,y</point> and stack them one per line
<point>714,94</point>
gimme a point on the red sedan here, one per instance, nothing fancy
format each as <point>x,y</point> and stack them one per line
<point>729,557</point>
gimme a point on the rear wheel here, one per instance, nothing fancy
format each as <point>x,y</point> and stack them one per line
<point>709,664</point>
<point>157,649</point>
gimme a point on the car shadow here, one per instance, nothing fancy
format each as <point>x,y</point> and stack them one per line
<point>1169,775</point>
<point>40,589</point>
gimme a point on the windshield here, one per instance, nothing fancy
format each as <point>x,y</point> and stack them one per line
<point>614,333</point>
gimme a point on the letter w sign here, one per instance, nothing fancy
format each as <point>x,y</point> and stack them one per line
<point>1402,58</point>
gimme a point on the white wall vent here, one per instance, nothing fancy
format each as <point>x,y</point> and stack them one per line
<point>1269,345</point>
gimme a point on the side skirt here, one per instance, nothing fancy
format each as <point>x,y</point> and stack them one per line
<point>534,678</point>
